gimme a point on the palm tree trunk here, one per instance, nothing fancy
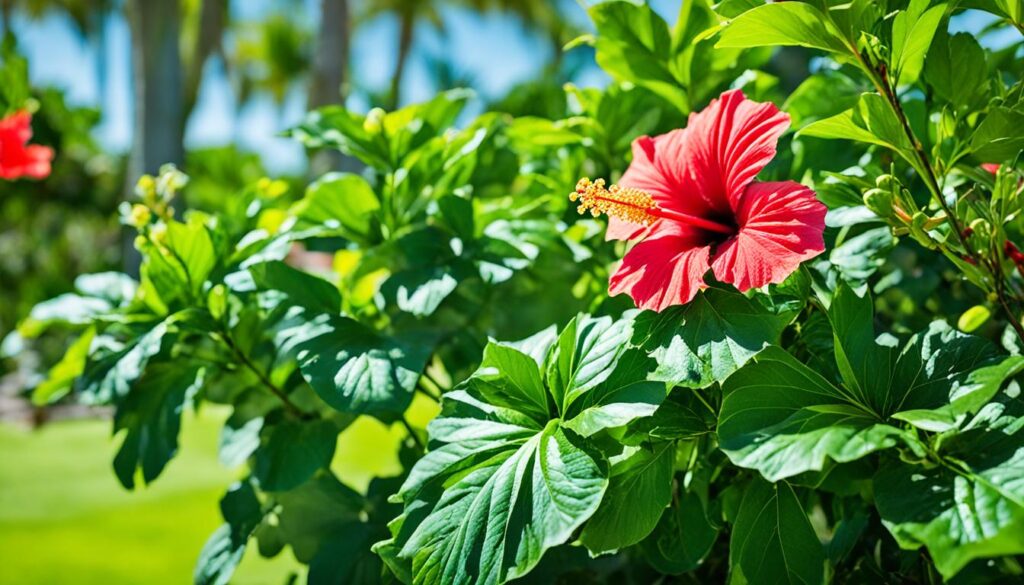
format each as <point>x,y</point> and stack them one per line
<point>159,127</point>
<point>406,27</point>
<point>6,9</point>
<point>213,16</point>
<point>332,51</point>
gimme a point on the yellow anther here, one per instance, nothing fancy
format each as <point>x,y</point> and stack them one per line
<point>632,205</point>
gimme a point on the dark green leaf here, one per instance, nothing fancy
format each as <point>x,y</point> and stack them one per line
<point>303,289</point>
<point>772,540</point>
<point>292,451</point>
<point>638,492</point>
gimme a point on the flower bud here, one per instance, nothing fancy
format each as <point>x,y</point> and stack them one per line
<point>217,301</point>
<point>145,188</point>
<point>879,201</point>
<point>140,215</point>
<point>158,234</point>
<point>888,182</point>
<point>374,121</point>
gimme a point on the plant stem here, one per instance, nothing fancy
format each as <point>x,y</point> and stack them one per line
<point>261,375</point>
<point>412,433</point>
<point>883,85</point>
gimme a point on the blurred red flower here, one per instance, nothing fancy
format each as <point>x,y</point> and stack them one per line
<point>17,157</point>
<point>690,199</point>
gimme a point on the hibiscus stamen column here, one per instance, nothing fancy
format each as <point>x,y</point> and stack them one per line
<point>633,205</point>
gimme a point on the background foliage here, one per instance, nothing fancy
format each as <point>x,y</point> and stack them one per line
<point>859,422</point>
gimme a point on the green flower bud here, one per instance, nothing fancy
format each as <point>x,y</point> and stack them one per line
<point>217,301</point>
<point>879,201</point>
<point>374,121</point>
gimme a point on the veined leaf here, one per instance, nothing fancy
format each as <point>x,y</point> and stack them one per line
<point>772,540</point>
<point>790,23</point>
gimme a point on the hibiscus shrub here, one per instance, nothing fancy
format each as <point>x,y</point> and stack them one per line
<point>788,355</point>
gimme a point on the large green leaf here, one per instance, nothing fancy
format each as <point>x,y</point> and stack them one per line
<point>640,484</point>
<point>772,541</point>
<point>969,506</point>
<point>780,417</point>
<point>151,417</point>
<point>790,23</point>
<point>707,339</point>
<point>495,521</point>
<point>350,366</point>
<point>511,473</point>
<point>1000,136</point>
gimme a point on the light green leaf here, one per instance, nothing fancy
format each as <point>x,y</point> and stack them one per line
<point>772,541</point>
<point>192,247</point>
<point>790,23</point>
<point>641,485</point>
<point>342,204</point>
<point>633,44</point>
<point>63,374</point>
<point>912,32</point>
<point>871,120</point>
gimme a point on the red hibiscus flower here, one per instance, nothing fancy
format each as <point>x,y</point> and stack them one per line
<point>17,157</point>
<point>690,200</point>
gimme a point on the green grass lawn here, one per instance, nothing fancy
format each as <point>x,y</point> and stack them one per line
<point>64,518</point>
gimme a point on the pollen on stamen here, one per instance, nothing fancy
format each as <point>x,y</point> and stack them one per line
<point>632,205</point>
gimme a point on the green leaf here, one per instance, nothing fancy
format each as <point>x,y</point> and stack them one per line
<point>912,32</point>
<point>972,505</point>
<point>351,367</point>
<point>68,308</point>
<point>152,420</point>
<point>585,356</point>
<point>524,499</point>
<point>113,368</point>
<point>780,417</point>
<point>1000,136</point>
<point>191,245</point>
<point>706,340</point>
<point>507,476</point>
<point>342,204</point>
<point>626,395</point>
<point>682,538</point>
<point>640,484</point>
<point>633,44</point>
<point>225,547</point>
<point>303,289</point>
<point>772,540</point>
<point>314,510</point>
<point>790,23</point>
<point>966,397</point>
<point>420,291</point>
<point>292,451</point>
<point>956,68</point>
<point>63,374</point>
<point>871,121</point>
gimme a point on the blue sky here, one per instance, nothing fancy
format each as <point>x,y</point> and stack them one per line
<point>494,50</point>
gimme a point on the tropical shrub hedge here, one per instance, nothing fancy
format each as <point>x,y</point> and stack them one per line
<point>710,327</point>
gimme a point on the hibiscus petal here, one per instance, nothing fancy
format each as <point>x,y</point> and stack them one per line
<point>728,143</point>
<point>657,169</point>
<point>666,268</point>
<point>781,225</point>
